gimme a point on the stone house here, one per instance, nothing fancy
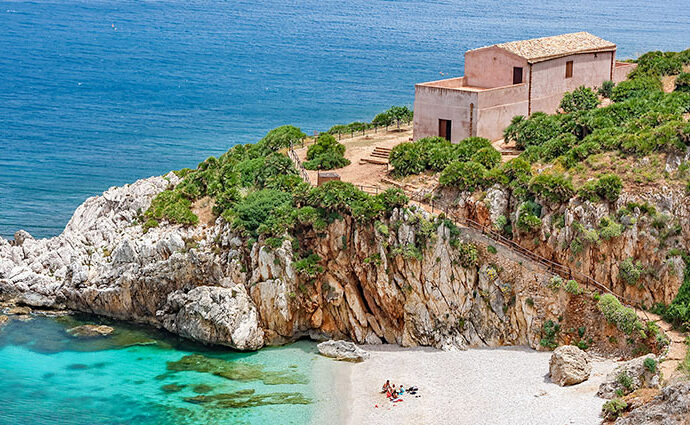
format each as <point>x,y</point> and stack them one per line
<point>514,78</point>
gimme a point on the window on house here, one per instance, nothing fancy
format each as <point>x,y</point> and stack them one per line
<point>517,75</point>
<point>569,69</point>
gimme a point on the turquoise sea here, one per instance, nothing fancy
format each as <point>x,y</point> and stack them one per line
<point>96,93</point>
<point>141,376</point>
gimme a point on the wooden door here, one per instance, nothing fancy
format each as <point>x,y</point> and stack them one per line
<point>444,127</point>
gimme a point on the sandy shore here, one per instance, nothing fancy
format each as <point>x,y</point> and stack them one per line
<point>479,386</point>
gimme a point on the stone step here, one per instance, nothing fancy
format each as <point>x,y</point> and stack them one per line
<point>375,161</point>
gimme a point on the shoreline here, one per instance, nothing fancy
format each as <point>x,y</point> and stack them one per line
<point>503,385</point>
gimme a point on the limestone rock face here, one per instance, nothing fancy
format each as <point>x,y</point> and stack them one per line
<point>407,280</point>
<point>671,407</point>
<point>630,376</point>
<point>215,315</point>
<point>342,350</point>
<point>90,331</point>
<point>569,366</point>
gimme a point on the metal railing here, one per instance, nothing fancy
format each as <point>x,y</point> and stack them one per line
<point>298,164</point>
<point>369,130</point>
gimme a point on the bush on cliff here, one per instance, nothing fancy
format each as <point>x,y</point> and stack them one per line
<point>622,317</point>
<point>172,206</point>
<point>281,137</point>
<point>553,187</point>
<point>465,176</point>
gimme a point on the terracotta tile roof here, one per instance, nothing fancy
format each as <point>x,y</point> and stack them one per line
<point>541,49</point>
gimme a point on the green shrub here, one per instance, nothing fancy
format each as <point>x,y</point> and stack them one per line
<point>466,176</point>
<point>606,88</point>
<point>529,217</point>
<point>658,63</point>
<point>468,254</point>
<point>637,87</point>
<point>281,137</point>
<point>171,205</point>
<point>614,408</point>
<point>625,381</point>
<point>440,155</point>
<point>622,317</point>
<point>309,266</point>
<point>581,99</point>
<point>488,157</point>
<point>407,158</point>
<point>549,333</point>
<point>326,161</point>
<point>466,149</point>
<point>491,249</point>
<point>572,287</point>
<point>553,187</point>
<point>259,208</point>
<point>678,312</point>
<point>609,229</point>
<point>683,82</point>
<point>535,130</point>
<point>325,143</point>
<point>650,364</point>
<point>630,272</point>
<point>609,187</point>
<point>588,191</point>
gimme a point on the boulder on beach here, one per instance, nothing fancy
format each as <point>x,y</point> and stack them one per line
<point>90,331</point>
<point>342,350</point>
<point>569,365</point>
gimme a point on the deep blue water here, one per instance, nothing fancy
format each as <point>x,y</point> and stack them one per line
<point>99,93</point>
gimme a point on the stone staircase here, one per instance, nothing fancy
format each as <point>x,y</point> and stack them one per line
<point>378,156</point>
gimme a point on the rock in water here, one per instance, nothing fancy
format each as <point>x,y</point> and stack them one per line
<point>569,366</point>
<point>215,315</point>
<point>90,331</point>
<point>342,350</point>
<point>3,320</point>
<point>630,376</point>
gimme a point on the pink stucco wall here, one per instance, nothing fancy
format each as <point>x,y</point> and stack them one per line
<point>549,82</point>
<point>497,107</point>
<point>492,67</point>
<point>434,103</point>
<point>621,71</point>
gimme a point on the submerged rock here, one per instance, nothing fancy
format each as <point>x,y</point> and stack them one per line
<point>569,365</point>
<point>342,350</point>
<point>90,331</point>
<point>247,398</point>
<point>3,320</point>
<point>631,375</point>
<point>235,370</point>
<point>19,311</point>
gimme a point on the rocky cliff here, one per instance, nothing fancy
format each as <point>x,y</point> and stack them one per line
<point>411,279</point>
<point>633,245</point>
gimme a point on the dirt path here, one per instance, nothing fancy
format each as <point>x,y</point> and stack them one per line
<point>361,147</point>
<point>677,350</point>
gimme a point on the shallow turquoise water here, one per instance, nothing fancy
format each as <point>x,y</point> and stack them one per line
<point>49,377</point>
